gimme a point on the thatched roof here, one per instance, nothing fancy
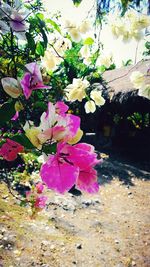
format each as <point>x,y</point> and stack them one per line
<point>118,82</point>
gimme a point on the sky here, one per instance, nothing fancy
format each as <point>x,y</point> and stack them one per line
<point>121,51</point>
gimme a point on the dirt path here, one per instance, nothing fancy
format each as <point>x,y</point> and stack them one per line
<point>110,229</point>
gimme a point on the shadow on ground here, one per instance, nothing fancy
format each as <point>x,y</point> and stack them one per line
<point>125,168</point>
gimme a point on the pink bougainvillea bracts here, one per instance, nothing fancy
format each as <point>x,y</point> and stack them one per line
<point>71,165</point>
<point>35,200</point>
<point>39,187</point>
<point>40,202</point>
<point>32,80</point>
<point>10,150</point>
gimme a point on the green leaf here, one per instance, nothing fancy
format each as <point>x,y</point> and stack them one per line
<point>54,24</point>
<point>88,41</point>
<point>40,49</point>
<point>7,111</point>
<point>44,38</point>
<point>77,2</point>
<point>31,42</point>
<point>50,149</point>
<point>40,16</point>
<point>23,140</point>
<point>147,45</point>
<point>41,105</point>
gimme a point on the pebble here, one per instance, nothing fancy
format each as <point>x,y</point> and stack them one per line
<point>93,211</point>
<point>1,236</point>
<point>79,246</point>
<point>3,230</point>
<point>44,242</point>
<point>52,247</point>
<point>17,252</point>
<point>116,241</point>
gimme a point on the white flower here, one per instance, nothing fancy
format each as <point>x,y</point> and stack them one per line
<point>145,91</point>
<point>97,97</point>
<point>61,45</point>
<point>76,90</point>
<point>90,106</point>
<point>137,78</point>
<point>75,35</point>
<point>117,27</point>
<point>50,60</point>
<point>85,27</point>
<point>105,59</point>
<point>130,26</point>
<point>85,51</point>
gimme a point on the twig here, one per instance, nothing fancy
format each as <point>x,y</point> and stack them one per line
<point>9,189</point>
<point>124,75</point>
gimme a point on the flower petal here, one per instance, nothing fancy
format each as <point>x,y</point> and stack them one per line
<point>87,181</point>
<point>59,176</point>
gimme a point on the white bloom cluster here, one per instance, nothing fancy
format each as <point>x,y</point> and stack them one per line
<point>96,100</point>
<point>76,90</point>
<point>76,31</point>
<point>131,25</point>
<point>105,60</point>
<point>54,54</point>
<point>85,54</point>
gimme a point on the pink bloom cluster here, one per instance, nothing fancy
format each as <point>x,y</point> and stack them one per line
<point>32,80</point>
<point>10,150</point>
<point>57,125</point>
<point>71,165</point>
<point>37,201</point>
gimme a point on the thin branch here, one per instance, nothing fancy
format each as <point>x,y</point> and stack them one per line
<point>10,191</point>
<point>124,75</point>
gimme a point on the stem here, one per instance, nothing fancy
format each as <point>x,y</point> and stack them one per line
<point>136,51</point>
<point>13,53</point>
<point>10,191</point>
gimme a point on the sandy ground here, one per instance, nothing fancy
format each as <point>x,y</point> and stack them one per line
<point>109,229</point>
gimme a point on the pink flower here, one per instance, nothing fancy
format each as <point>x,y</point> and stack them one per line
<point>40,202</point>
<point>32,80</point>
<point>58,174</point>
<point>39,188</point>
<point>61,107</point>
<point>28,195</point>
<point>10,150</point>
<point>87,181</point>
<point>81,155</point>
<point>71,165</point>
<point>57,125</point>
<point>15,117</point>
<point>17,22</point>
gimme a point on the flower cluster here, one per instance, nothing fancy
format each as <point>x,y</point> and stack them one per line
<point>54,54</point>
<point>55,125</point>
<point>10,149</point>
<point>131,25</point>
<point>15,18</point>
<point>77,91</point>
<point>77,31</point>
<point>32,80</point>
<point>35,198</point>
<point>71,165</point>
